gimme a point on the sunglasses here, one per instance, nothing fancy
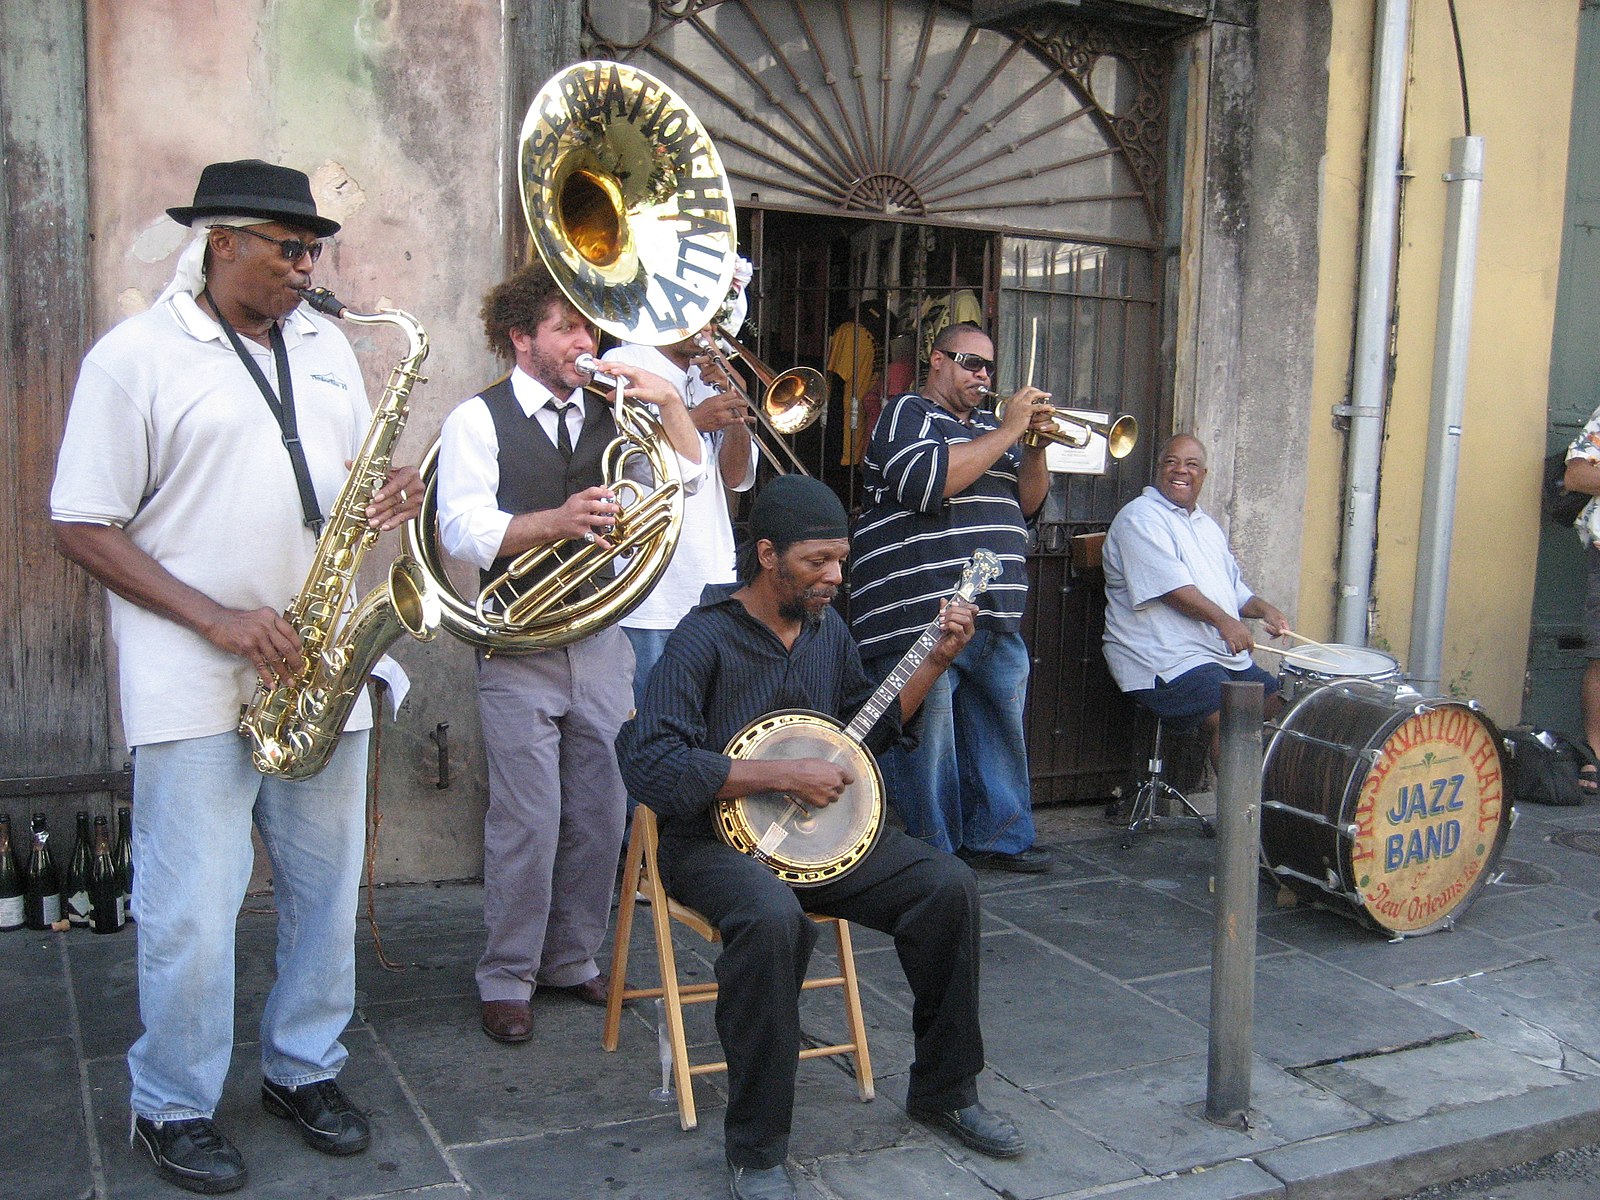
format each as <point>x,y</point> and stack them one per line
<point>968,361</point>
<point>290,248</point>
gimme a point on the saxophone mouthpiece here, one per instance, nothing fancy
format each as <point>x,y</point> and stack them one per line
<point>323,301</point>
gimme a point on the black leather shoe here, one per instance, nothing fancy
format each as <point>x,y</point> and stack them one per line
<point>326,1119</point>
<point>1035,860</point>
<point>757,1183</point>
<point>191,1154</point>
<point>985,1131</point>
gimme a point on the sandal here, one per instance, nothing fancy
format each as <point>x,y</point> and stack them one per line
<point>1588,770</point>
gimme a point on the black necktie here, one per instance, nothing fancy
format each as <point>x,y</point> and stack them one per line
<point>563,434</point>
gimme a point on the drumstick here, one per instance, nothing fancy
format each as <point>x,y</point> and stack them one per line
<point>1033,344</point>
<point>1303,640</point>
<point>1296,655</point>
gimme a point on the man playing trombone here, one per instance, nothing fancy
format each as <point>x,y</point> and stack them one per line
<point>944,477</point>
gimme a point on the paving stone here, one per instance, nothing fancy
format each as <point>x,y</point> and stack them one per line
<point>1126,929</point>
<point>402,1155</point>
<point>33,986</point>
<point>1307,1011</point>
<point>1047,1018</point>
<point>1415,1083</point>
<point>43,1156</point>
<point>1155,1115</point>
<point>634,1160</point>
<point>926,1174</point>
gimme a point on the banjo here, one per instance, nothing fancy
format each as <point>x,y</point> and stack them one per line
<point>807,846</point>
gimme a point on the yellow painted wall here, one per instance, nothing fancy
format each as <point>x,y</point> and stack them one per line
<point>1519,56</point>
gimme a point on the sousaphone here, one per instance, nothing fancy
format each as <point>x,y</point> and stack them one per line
<point>630,210</point>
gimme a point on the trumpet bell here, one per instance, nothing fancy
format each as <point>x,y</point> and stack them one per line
<point>627,202</point>
<point>795,399</point>
<point>1122,436</point>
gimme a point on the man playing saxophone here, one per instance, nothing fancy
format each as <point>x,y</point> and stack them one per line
<point>521,465</point>
<point>206,438</point>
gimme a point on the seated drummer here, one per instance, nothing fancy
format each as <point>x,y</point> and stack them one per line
<point>1175,601</point>
<point>773,641</point>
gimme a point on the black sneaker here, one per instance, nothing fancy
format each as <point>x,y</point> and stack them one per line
<point>191,1154</point>
<point>328,1122</point>
<point>1035,860</point>
<point>985,1131</point>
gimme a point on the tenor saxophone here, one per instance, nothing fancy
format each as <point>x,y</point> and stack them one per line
<point>294,727</point>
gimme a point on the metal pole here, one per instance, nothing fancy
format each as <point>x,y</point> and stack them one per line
<point>1451,339</point>
<point>1374,306</point>
<point>1233,943</point>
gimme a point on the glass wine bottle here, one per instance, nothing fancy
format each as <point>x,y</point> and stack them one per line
<point>122,857</point>
<point>75,896</point>
<point>11,906</point>
<point>105,897</point>
<point>42,888</point>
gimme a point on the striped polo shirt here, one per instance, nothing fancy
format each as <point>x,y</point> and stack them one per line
<point>910,545</point>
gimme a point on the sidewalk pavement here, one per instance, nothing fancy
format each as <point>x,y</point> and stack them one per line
<point>1379,1066</point>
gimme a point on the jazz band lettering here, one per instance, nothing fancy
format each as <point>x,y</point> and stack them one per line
<point>685,167</point>
<point>1424,828</point>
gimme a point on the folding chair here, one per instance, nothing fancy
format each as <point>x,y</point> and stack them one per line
<point>641,884</point>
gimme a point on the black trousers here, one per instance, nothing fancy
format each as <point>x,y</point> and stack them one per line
<point>926,899</point>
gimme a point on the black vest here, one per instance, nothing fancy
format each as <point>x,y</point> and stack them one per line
<point>532,475</point>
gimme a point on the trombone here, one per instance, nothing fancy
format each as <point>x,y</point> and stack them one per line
<point>1075,428</point>
<point>791,400</point>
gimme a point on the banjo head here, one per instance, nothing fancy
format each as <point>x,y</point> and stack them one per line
<point>804,846</point>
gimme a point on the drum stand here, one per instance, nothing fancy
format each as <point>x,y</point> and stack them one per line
<point>1153,788</point>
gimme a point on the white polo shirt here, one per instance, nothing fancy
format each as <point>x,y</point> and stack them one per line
<point>1154,547</point>
<point>168,439</point>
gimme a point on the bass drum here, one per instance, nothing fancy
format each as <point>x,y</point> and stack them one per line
<point>804,846</point>
<point>1391,806</point>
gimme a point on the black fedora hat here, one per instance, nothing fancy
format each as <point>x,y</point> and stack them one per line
<point>252,188</point>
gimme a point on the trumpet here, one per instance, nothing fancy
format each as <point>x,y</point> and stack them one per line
<point>791,400</point>
<point>1074,428</point>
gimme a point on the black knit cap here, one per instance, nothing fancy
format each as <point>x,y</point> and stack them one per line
<point>797,508</point>
<point>250,187</point>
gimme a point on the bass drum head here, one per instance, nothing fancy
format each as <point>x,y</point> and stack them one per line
<point>804,846</point>
<point>1404,797</point>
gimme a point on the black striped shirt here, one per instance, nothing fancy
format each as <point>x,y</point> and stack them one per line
<point>721,669</point>
<point>911,543</point>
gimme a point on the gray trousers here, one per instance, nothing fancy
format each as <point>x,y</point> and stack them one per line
<point>553,831</point>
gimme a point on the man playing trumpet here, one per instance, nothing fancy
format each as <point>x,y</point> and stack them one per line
<point>945,477</point>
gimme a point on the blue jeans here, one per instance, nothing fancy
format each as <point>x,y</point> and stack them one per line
<point>967,784</point>
<point>647,647</point>
<point>193,804</point>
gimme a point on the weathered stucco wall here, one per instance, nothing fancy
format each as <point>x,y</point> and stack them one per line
<point>1249,276</point>
<point>1519,57</point>
<point>398,113</point>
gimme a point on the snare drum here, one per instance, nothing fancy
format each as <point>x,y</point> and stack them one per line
<point>1314,665</point>
<point>1391,806</point>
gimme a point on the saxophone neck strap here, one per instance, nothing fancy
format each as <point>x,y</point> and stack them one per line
<point>282,405</point>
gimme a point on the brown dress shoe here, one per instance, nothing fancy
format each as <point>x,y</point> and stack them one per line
<point>507,1020</point>
<point>590,991</point>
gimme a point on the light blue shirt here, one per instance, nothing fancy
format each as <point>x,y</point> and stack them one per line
<point>1152,548</point>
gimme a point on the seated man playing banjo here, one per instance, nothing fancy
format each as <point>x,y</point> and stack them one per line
<point>769,643</point>
<point>1175,601</point>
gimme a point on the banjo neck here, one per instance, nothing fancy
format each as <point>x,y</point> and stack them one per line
<point>981,569</point>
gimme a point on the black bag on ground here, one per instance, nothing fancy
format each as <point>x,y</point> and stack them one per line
<point>1560,506</point>
<point>1545,766</point>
